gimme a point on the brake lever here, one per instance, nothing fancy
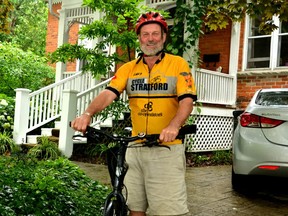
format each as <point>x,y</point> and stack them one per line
<point>154,143</point>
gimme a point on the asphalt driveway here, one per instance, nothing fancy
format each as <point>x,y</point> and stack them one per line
<point>210,192</point>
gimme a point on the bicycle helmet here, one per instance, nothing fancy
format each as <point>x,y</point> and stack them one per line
<point>151,17</point>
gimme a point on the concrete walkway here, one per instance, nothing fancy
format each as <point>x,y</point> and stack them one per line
<point>210,193</point>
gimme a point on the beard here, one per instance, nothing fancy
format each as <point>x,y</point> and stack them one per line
<point>151,52</point>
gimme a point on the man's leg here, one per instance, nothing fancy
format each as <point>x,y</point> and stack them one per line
<point>165,181</point>
<point>135,213</point>
<point>134,181</point>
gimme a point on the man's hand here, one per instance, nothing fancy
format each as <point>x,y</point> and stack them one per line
<point>80,123</point>
<point>169,134</point>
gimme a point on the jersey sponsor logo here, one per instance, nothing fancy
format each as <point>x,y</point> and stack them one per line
<point>147,111</point>
<point>188,78</point>
<point>141,85</point>
<point>150,114</point>
<point>149,106</point>
<point>137,74</point>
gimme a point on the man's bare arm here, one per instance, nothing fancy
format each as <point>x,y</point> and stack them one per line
<point>100,102</point>
<point>185,108</point>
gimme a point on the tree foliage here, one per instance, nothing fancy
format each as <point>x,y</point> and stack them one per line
<point>113,29</point>
<point>220,13</point>
<point>24,22</point>
<point>192,14</point>
<point>21,69</point>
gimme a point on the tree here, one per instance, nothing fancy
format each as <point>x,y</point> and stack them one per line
<point>26,24</point>
<point>21,69</point>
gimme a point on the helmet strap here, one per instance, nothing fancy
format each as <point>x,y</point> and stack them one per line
<point>141,55</point>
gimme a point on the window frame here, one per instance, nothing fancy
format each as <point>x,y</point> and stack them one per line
<point>274,58</point>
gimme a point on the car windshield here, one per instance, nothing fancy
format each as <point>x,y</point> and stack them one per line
<point>272,98</point>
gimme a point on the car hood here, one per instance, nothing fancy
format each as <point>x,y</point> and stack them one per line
<point>277,135</point>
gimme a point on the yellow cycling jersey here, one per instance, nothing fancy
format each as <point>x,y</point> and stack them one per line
<point>154,94</point>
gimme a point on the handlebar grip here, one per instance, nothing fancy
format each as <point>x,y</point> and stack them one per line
<point>187,129</point>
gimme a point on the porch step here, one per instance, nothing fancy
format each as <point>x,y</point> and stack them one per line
<point>55,132</point>
<point>51,133</point>
<point>107,123</point>
<point>32,139</point>
<point>46,131</point>
<point>25,147</point>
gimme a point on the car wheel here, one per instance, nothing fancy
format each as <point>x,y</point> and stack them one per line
<point>239,182</point>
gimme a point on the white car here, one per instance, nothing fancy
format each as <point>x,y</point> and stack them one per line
<point>260,141</point>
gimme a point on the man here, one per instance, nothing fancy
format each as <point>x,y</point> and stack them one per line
<point>161,90</point>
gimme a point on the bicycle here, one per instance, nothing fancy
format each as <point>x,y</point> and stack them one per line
<point>115,203</point>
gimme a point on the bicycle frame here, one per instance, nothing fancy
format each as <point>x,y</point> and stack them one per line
<point>115,200</point>
<point>115,203</point>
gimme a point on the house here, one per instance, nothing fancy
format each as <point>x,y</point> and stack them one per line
<point>237,61</point>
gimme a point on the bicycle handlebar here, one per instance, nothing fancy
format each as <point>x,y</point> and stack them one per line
<point>96,133</point>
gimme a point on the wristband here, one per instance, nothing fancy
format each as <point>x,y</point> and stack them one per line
<point>88,114</point>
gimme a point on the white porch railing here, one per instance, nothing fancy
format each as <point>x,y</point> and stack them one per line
<point>159,2</point>
<point>84,98</point>
<point>215,87</point>
<point>32,110</point>
<point>83,15</point>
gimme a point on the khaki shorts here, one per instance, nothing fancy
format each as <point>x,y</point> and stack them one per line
<point>156,180</point>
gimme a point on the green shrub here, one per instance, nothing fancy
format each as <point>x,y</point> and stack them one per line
<point>7,144</point>
<point>46,149</point>
<point>220,157</point>
<point>7,107</point>
<point>32,187</point>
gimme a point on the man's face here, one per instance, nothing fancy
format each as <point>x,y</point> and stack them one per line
<point>151,39</point>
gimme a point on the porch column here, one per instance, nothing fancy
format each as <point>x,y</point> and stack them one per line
<point>21,115</point>
<point>69,112</point>
<point>234,54</point>
<point>63,35</point>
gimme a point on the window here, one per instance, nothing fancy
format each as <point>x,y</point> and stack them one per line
<point>272,98</point>
<point>267,50</point>
<point>283,45</point>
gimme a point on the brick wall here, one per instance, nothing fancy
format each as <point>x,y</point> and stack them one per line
<point>52,30</point>
<point>248,85</point>
<point>52,35</point>
<point>214,42</point>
